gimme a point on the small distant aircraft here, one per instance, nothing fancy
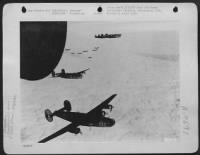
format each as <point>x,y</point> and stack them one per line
<point>76,75</point>
<point>108,36</point>
<point>94,118</point>
<point>95,48</point>
<point>85,51</point>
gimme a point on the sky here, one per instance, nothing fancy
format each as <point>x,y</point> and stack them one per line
<point>141,67</point>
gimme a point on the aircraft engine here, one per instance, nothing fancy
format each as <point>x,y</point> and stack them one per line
<point>103,113</point>
<point>67,105</point>
<point>75,130</point>
<point>110,107</point>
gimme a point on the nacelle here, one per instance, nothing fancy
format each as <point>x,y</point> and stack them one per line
<point>110,107</point>
<point>75,130</point>
<point>103,113</point>
<point>67,105</point>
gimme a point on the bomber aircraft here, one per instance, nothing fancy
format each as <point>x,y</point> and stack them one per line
<point>94,118</point>
<point>108,36</point>
<point>76,75</point>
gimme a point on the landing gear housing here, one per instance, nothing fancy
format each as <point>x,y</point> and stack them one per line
<point>67,105</point>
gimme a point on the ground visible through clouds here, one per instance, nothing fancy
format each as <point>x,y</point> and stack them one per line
<point>141,67</point>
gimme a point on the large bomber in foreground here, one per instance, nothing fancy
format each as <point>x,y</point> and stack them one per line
<point>94,118</point>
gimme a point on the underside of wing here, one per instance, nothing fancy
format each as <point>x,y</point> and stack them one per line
<point>67,128</point>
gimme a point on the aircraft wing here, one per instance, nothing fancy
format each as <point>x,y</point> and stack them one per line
<point>98,109</point>
<point>58,74</point>
<point>83,71</point>
<point>59,132</point>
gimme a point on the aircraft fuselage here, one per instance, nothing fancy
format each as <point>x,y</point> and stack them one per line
<point>84,120</point>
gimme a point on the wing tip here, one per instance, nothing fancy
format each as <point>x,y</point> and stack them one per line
<point>41,141</point>
<point>114,95</point>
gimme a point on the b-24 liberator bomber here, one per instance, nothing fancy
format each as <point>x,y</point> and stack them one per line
<point>94,118</point>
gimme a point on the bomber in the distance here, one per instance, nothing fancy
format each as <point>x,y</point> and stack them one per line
<point>108,36</point>
<point>75,75</point>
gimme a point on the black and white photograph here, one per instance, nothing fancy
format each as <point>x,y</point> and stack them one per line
<point>100,78</point>
<point>98,81</point>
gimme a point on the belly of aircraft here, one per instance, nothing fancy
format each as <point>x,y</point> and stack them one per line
<point>99,123</point>
<point>83,119</point>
